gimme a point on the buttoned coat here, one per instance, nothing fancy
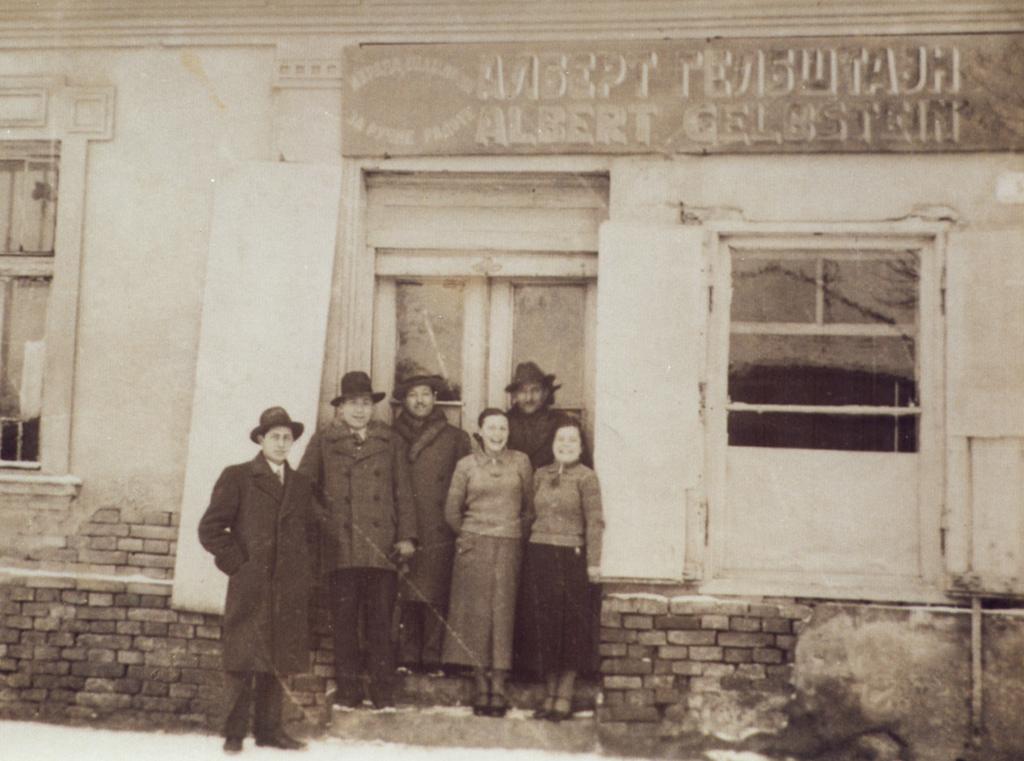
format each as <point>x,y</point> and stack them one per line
<point>368,493</point>
<point>259,533</point>
<point>434,448</point>
<point>533,434</point>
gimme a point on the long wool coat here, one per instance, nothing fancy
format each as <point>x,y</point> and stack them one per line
<point>533,434</point>
<point>434,448</point>
<point>368,493</point>
<point>258,531</point>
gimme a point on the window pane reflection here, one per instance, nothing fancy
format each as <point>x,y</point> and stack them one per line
<point>780,369</point>
<point>22,352</point>
<point>430,330</point>
<point>871,290</point>
<point>772,290</point>
<point>548,329</point>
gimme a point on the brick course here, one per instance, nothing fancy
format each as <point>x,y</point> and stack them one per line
<point>709,646</point>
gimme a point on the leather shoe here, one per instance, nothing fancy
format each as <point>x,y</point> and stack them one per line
<point>281,740</point>
<point>233,745</point>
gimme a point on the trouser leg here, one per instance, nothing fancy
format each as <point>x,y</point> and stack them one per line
<point>238,699</point>
<point>345,623</point>
<point>433,634</point>
<point>269,700</point>
<point>379,604</point>
<point>410,634</point>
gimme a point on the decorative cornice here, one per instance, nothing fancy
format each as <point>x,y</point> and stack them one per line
<point>91,23</point>
<point>43,108</point>
<point>308,73</point>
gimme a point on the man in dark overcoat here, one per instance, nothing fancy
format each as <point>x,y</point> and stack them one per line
<point>434,447</point>
<point>362,466</point>
<point>531,421</point>
<point>258,526</point>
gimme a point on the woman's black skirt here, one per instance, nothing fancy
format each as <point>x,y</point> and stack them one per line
<point>556,618</point>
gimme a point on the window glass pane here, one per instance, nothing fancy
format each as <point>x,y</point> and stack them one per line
<point>772,290</point>
<point>548,329</point>
<point>872,290</point>
<point>863,433</point>
<point>430,329</point>
<point>22,351</point>
<point>28,207</point>
<point>784,369</point>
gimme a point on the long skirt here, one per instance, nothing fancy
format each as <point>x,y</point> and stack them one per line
<point>556,625</point>
<point>481,609</point>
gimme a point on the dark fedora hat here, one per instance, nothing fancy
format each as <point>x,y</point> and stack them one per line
<point>356,383</point>
<point>272,418</point>
<point>436,382</point>
<point>529,372</point>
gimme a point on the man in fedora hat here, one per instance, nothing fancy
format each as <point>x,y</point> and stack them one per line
<point>434,448</point>
<point>257,528</point>
<point>531,421</point>
<point>362,466</point>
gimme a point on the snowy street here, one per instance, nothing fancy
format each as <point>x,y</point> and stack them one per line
<point>47,742</point>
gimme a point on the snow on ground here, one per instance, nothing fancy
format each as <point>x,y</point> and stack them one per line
<point>30,741</point>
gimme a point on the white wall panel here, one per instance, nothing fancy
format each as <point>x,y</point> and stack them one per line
<point>268,277</point>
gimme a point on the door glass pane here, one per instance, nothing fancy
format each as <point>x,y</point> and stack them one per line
<point>772,290</point>
<point>872,290</point>
<point>430,329</point>
<point>548,329</point>
<point>22,353</point>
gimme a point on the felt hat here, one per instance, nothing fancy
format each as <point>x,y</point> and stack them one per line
<point>272,418</point>
<point>436,382</point>
<point>529,372</point>
<point>356,383</point>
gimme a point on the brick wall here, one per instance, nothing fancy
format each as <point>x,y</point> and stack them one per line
<point>664,658</point>
<point>81,648</point>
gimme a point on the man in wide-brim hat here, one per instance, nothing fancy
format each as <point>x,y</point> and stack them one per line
<point>434,447</point>
<point>256,528</point>
<point>362,466</point>
<point>531,421</point>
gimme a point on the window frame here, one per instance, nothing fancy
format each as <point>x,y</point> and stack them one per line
<point>35,264</point>
<point>73,117</point>
<point>930,238</point>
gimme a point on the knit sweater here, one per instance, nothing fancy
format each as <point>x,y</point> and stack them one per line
<point>568,509</point>
<point>491,495</point>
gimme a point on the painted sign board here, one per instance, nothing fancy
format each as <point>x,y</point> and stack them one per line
<point>846,94</point>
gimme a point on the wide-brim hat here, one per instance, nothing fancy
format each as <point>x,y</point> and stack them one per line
<point>272,418</point>
<point>436,382</point>
<point>356,383</point>
<point>529,372</point>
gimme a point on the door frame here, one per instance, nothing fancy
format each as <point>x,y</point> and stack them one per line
<point>931,469</point>
<point>350,321</point>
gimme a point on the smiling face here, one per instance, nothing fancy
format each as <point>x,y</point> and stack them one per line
<point>530,397</point>
<point>568,445</point>
<point>276,443</point>
<point>419,401</point>
<point>356,411</point>
<point>494,432</point>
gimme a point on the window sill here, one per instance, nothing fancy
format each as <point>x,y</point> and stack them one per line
<point>39,485</point>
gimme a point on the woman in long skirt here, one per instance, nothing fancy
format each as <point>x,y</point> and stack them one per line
<point>489,505</point>
<point>562,556</point>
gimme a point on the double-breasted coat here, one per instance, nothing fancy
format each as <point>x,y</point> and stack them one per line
<point>259,532</point>
<point>434,448</point>
<point>368,493</point>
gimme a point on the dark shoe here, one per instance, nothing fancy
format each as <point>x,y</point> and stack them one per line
<point>233,745</point>
<point>281,740</point>
<point>344,701</point>
<point>497,706</point>
<point>561,711</point>
<point>541,713</point>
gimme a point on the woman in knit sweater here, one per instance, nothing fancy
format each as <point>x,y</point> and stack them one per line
<point>563,554</point>
<point>489,504</point>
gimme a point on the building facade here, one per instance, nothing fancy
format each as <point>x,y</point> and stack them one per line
<point>774,255</point>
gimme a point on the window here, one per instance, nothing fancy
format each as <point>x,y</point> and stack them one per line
<point>823,349</point>
<point>28,206</point>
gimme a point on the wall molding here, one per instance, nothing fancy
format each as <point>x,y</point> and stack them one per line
<point>95,23</point>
